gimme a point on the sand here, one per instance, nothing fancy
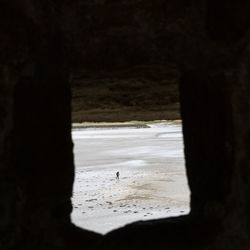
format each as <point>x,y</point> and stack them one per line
<point>152,181</point>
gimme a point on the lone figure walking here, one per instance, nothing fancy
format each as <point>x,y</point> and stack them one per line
<point>117,175</point>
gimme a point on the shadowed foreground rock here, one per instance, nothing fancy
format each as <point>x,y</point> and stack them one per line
<point>202,45</point>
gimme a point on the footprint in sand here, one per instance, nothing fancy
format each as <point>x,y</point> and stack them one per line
<point>114,211</point>
<point>135,212</point>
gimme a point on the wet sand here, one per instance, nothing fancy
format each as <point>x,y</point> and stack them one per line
<point>152,181</point>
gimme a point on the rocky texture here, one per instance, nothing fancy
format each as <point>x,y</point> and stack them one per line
<point>43,46</point>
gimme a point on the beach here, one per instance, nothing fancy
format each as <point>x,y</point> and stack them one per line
<point>152,182</point>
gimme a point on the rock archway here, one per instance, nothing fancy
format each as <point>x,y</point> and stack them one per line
<point>43,42</point>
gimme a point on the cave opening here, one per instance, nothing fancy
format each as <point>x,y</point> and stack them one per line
<point>42,42</point>
<point>118,128</point>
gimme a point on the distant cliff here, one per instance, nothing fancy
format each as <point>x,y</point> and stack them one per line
<point>141,94</point>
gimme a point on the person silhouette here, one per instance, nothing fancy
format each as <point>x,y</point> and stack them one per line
<point>117,175</point>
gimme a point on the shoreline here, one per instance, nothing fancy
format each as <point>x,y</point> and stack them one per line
<point>130,124</point>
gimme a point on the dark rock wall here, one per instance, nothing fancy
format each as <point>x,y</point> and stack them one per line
<point>129,47</point>
<point>44,44</point>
